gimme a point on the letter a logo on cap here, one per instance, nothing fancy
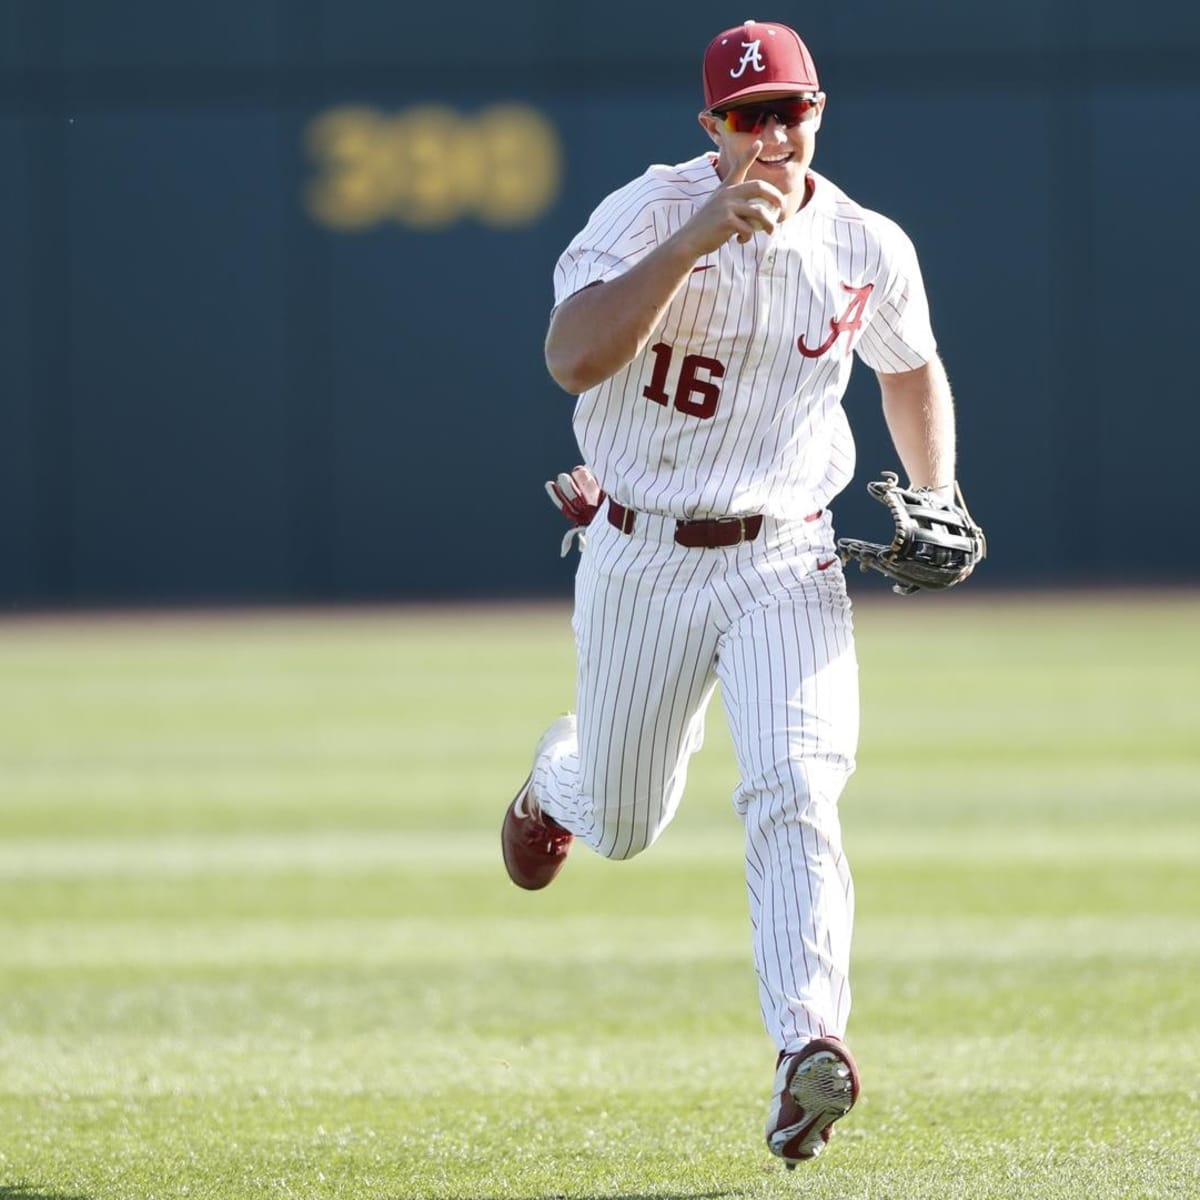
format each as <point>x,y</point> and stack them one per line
<point>751,58</point>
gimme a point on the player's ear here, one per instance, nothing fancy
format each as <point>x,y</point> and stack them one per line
<point>816,124</point>
<point>710,125</point>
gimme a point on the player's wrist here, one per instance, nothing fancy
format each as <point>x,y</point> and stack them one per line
<point>686,246</point>
<point>943,491</point>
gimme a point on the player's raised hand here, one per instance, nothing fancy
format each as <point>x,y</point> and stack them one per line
<point>739,208</point>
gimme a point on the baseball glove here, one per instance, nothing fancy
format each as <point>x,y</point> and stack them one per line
<point>936,543</point>
<point>578,496</point>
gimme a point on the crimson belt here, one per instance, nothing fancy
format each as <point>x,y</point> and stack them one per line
<point>710,534</point>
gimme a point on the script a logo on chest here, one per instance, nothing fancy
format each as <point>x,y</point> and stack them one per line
<point>850,320</point>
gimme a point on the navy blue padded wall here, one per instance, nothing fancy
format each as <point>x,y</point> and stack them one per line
<point>210,391</point>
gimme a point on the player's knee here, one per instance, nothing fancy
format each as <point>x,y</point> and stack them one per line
<point>622,852</point>
<point>806,822</point>
<point>793,790</point>
<point>621,843</point>
<point>624,832</point>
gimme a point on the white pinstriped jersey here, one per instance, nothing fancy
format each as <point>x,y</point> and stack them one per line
<point>735,405</point>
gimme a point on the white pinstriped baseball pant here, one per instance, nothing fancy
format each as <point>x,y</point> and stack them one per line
<point>657,625</point>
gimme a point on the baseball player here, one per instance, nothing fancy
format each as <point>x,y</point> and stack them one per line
<point>706,317</point>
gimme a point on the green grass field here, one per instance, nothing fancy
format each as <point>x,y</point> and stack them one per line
<point>256,939</point>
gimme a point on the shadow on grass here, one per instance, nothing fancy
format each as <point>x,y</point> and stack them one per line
<point>27,1191</point>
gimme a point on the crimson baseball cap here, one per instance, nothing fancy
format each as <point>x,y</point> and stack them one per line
<point>756,58</point>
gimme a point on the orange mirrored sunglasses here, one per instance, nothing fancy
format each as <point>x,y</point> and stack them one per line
<point>752,118</point>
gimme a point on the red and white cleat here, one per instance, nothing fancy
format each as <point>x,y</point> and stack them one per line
<point>814,1087</point>
<point>535,846</point>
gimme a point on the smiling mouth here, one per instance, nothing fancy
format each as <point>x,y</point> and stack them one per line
<point>776,160</point>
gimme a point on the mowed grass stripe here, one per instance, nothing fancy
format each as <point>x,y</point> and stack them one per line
<point>64,946</point>
<point>340,853</point>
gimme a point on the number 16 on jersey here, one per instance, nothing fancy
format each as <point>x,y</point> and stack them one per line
<point>695,394</point>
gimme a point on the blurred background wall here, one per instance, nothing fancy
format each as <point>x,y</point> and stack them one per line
<point>275,274</point>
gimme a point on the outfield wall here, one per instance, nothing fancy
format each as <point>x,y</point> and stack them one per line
<point>277,272</point>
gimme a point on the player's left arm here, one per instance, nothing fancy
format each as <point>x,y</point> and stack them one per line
<point>919,410</point>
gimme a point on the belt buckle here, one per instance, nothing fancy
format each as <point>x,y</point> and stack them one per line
<point>741,530</point>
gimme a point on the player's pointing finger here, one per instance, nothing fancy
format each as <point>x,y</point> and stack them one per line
<point>738,174</point>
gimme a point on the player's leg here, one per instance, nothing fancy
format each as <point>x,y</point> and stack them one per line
<point>645,647</point>
<point>789,681</point>
<point>790,684</point>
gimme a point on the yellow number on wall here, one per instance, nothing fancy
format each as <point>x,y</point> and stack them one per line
<point>430,166</point>
<point>522,165</point>
<point>349,194</point>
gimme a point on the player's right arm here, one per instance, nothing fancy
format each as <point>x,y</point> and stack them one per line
<point>604,326</point>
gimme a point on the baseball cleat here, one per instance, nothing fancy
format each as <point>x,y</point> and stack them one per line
<point>814,1087</point>
<point>535,846</point>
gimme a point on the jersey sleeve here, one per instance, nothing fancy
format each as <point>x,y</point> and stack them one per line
<point>622,230</point>
<point>899,337</point>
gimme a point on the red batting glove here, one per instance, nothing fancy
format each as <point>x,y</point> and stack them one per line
<point>578,497</point>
